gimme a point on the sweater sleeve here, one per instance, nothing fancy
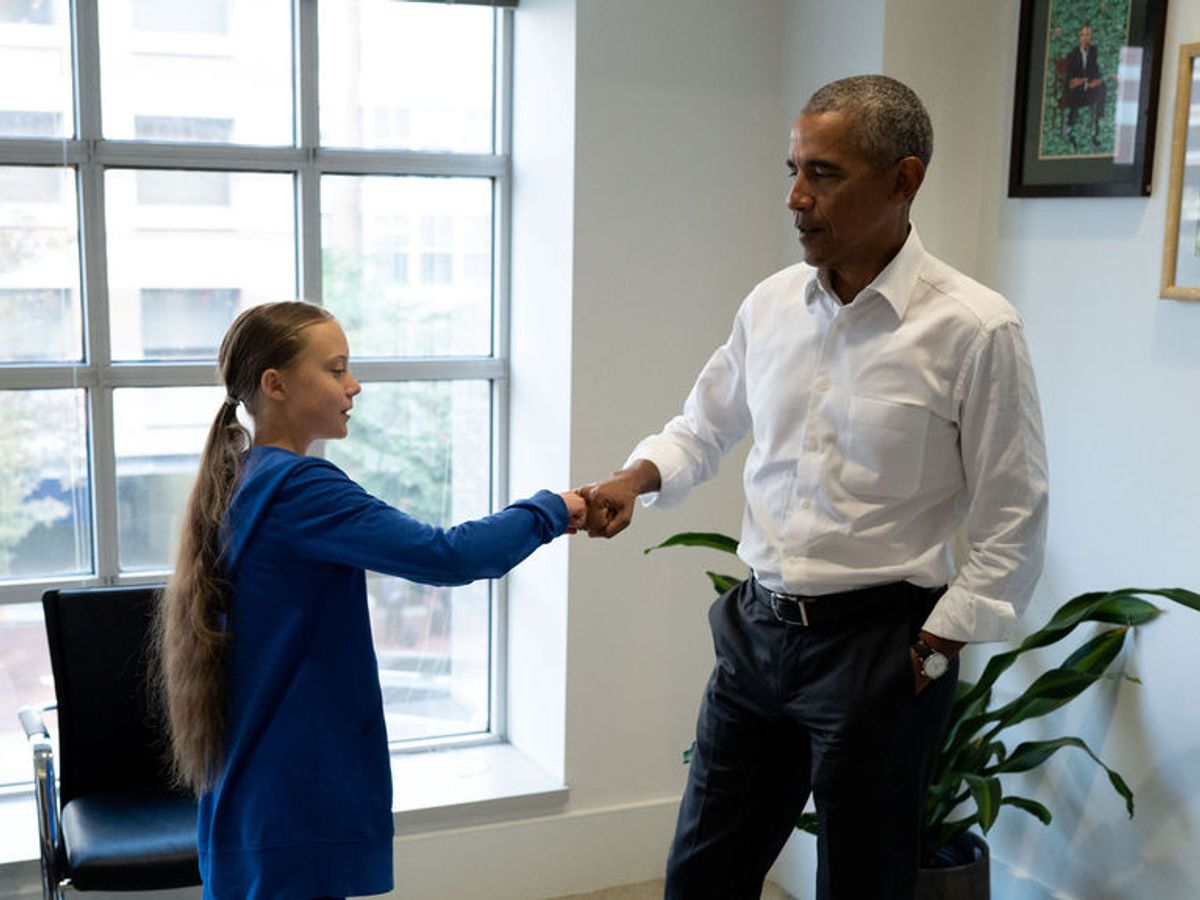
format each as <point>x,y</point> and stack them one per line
<point>331,518</point>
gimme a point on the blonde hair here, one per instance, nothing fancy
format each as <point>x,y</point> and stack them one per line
<point>193,637</point>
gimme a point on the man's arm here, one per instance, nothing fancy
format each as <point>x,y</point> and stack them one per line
<point>1004,460</point>
<point>610,503</point>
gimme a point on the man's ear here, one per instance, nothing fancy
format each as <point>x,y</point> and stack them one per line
<point>910,173</point>
<point>271,385</point>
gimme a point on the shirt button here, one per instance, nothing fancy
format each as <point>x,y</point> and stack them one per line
<point>807,504</point>
<point>812,446</point>
<point>822,384</point>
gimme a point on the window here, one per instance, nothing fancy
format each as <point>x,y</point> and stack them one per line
<point>38,12</point>
<point>186,323</point>
<point>30,123</point>
<point>181,15</point>
<point>192,177</point>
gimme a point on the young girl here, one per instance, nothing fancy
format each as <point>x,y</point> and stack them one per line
<point>268,672</point>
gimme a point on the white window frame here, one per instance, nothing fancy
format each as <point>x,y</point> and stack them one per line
<point>90,155</point>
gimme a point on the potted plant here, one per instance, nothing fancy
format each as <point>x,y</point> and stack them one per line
<point>967,791</point>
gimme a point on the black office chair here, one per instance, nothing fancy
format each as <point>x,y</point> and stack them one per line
<point>115,823</point>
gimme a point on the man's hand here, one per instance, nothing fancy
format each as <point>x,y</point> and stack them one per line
<point>944,646</point>
<point>610,503</point>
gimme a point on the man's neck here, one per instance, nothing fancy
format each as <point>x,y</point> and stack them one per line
<point>848,282</point>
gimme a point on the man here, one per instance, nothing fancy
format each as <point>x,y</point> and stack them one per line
<point>890,400</point>
<point>1085,85</point>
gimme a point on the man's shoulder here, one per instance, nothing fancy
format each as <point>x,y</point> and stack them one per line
<point>788,283</point>
<point>961,295</point>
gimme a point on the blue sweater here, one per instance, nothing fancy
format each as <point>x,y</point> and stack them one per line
<point>303,805</point>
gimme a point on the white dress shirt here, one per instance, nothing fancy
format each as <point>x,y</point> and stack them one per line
<point>879,427</point>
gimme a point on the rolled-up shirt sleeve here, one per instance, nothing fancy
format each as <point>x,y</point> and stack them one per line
<point>1004,461</point>
<point>715,416</point>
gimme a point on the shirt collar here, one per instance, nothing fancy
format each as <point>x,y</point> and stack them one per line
<point>894,284</point>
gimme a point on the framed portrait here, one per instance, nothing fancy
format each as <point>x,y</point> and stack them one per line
<point>1086,97</point>
<point>1181,245</point>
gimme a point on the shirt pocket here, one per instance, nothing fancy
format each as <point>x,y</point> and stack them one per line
<point>885,449</point>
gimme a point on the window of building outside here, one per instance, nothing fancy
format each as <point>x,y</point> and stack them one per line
<point>161,169</point>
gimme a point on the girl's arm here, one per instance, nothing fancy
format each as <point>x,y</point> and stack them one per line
<point>330,517</point>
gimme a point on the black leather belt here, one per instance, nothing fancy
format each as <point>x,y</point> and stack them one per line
<point>812,612</point>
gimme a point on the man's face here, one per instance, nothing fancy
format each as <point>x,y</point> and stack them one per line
<point>1085,36</point>
<point>844,208</point>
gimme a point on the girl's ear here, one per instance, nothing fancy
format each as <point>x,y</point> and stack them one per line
<point>271,385</point>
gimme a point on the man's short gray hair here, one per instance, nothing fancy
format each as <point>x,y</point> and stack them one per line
<point>888,119</point>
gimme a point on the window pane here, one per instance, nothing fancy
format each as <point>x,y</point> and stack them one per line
<point>406,263</point>
<point>39,12</point>
<point>25,678</point>
<point>160,435</point>
<point>425,448</point>
<point>208,16</point>
<point>188,250</point>
<point>39,266</point>
<point>197,61</point>
<point>45,508</point>
<point>35,69</point>
<point>416,76</point>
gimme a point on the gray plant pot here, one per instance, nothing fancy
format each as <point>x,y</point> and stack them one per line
<point>971,881</point>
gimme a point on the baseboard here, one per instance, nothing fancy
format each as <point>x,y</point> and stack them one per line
<point>546,856</point>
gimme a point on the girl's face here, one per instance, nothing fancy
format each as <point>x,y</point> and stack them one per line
<point>318,387</point>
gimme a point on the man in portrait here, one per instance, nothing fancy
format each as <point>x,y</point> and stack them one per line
<point>1085,86</point>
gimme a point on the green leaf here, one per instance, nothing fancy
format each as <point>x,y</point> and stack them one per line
<point>1182,596</point>
<point>1121,607</point>
<point>1047,693</point>
<point>987,795</point>
<point>1094,655</point>
<point>1032,754</point>
<point>807,822</point>
<point>946,831</point>
<point>967,709</point>
<point>723,583</point>
<point>1030,806</point>
<point>711,539</point>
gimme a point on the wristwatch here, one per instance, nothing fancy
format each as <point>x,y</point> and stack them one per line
<point>933,664</point>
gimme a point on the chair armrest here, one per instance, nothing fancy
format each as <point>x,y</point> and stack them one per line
<point>32,721</point>
<point>45,792</point>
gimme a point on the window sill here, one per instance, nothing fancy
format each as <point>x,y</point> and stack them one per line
<point>433,790</point>
<point>451,788</point>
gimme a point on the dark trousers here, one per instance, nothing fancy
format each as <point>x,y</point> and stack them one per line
<point>791,711</point>
<point>1092,98</point>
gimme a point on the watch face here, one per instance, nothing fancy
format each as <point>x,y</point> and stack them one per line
<point>935,665</point>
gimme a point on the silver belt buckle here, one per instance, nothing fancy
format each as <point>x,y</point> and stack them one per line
<point>777,599</point>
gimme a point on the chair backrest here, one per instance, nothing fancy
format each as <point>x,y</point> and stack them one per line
<point>110,738</point>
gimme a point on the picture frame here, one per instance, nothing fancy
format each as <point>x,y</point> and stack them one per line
<point>1181,241</point>
<point>1086,97</point>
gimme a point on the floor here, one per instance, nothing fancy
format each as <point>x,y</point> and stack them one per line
<point>653,890</point>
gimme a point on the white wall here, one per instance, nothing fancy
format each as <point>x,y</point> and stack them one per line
<point>679,185</point>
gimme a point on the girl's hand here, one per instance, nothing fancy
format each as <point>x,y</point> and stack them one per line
<point>576,510</point>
